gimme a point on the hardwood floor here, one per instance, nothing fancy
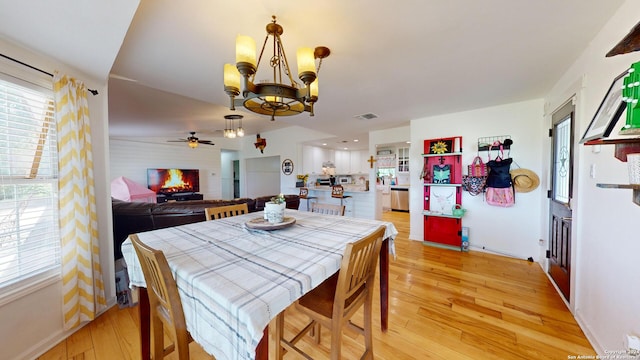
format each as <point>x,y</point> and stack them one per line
<point>443,305</point>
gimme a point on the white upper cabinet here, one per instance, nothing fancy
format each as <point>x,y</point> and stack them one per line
<point>359,164</point>
<point>346,162</point>
<point>343,162</point>
<point>403,159</point>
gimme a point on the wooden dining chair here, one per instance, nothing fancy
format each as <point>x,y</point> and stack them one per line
<point>328,209</point>
<point>332,303</point>
<point>165,306</point>
<point>219,212</point>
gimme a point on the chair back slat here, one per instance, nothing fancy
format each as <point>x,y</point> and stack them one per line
<point>221,212</point>
<point>358,264</point>
<point>328,209</point>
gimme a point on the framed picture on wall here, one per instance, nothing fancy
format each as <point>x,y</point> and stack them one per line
<point>442,199</point>
<point>287,166</point>
<point>608,113</point>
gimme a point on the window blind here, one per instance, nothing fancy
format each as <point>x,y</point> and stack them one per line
<point>29,236</point>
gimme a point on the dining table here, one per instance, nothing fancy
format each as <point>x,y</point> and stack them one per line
<point>234,275</point>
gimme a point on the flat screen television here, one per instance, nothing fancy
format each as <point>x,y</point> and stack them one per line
<point>173,181</point>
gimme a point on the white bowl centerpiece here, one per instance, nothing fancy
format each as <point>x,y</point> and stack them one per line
<point>274,209</point>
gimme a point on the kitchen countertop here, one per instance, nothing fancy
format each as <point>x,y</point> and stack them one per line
<point>347,188</point>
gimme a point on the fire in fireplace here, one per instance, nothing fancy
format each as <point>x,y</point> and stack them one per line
<point>173,181</point>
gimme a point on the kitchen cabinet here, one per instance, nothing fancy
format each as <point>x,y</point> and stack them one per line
<point>359,164</point>
<point>308,162</point>
<point>442,180</point>
<point>343,162</point>
<point>346,162</point>
<point>403,159</point>
<point>313,157</point>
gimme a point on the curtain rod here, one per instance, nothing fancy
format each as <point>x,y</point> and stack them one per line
<point>94,92</point>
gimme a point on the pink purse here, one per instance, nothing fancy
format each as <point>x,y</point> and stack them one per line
<point>502,197</point>
<point>477,167</point>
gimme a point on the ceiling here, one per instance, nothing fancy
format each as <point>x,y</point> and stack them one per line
<point>399,62</point>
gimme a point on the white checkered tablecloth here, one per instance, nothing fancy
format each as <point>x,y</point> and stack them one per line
<point>233,280</point>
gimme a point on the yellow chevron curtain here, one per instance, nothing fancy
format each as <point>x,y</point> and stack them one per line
<point>82,285</point>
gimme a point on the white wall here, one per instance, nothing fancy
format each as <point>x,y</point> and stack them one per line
<point>513,231</point>
<point>131,158</point>
<point>263,176</point>
<point>606,270</point>
<point>28,326</point>
<point>287,144</point>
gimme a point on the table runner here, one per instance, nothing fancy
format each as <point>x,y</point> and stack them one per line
<point>233,280</point>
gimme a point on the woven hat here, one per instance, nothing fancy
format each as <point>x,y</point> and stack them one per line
<point>524,180</point>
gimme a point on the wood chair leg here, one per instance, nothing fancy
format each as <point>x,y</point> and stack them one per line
<point>279,335</point>
<point>336,342</point>
<point>157,339</point>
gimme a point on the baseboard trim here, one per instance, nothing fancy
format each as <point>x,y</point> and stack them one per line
<point>54,339</point>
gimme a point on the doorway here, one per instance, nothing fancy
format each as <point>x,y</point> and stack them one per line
<point>235,165</point>
<point>560,212</point>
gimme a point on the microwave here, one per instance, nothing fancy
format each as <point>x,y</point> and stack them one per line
<point>344,180</point>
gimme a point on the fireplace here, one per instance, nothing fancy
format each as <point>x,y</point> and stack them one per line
<point>173,181</point>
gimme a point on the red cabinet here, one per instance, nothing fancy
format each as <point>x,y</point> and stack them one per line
<point>442,179</point>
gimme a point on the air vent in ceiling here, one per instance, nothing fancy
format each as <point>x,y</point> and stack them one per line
<point>367,116</point>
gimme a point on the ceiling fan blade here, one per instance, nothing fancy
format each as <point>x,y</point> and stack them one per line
<point>181,140</point>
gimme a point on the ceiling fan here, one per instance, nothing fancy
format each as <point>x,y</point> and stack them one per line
<point>193,141</point>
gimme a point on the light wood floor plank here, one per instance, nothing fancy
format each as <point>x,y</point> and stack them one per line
<point>443,305</point>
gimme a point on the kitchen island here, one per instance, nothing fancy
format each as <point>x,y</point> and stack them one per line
<point>360,204</point>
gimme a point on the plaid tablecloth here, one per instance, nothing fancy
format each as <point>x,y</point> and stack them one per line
<point>233,280</point>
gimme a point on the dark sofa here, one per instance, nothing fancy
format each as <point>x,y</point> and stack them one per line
<point>133,217</point>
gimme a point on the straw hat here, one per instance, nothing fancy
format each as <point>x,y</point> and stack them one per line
<point>524,180</point>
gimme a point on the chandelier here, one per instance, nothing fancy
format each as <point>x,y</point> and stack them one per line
<point>230,130</point>
<point>274,98</point>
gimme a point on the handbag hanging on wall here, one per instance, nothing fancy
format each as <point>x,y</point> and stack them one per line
<point>477,167</point>
<point>500,190</point>
<point>476,180</point>
<point>475,185</point>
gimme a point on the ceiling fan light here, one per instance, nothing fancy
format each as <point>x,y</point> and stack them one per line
<point>193,144</point>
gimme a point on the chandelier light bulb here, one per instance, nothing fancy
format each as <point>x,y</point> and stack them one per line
<point>245,50</point>
<point>231,77</point>
<point>313,89</point>
<point>306,65</point>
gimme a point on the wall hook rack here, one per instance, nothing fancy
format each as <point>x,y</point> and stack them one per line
<point>485,143</point>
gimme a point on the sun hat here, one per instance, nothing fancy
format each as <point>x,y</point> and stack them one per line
<point>524,180</point>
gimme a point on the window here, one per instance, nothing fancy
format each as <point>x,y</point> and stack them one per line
<point>29,236</point>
